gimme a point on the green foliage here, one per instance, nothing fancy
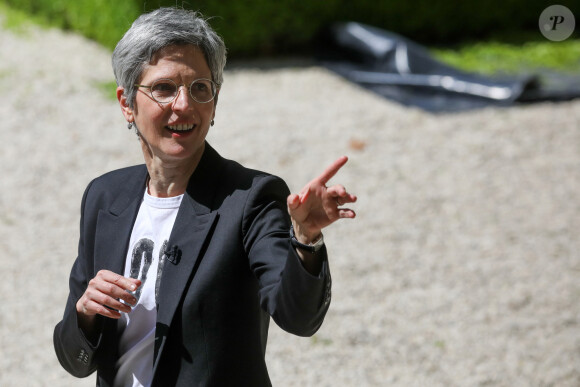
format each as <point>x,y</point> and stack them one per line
<point>497,57</point>
<point>265,27</point>
<point>108,89</point>
<point>17,20</point>
<point>101,20</point>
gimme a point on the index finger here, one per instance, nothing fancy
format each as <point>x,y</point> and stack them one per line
<point>332,169</point>
<point>125,283</point>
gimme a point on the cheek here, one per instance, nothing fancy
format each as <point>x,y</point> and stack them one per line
<point>211,111</point>
<point>148,122</point>
<point>147,112</point>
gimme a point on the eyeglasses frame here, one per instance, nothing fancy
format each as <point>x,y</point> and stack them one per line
<point>214,84</point>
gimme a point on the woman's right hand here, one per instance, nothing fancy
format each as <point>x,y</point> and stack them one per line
<point>103,297</point>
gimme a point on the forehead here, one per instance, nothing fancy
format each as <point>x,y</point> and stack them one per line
<point>178,61</point>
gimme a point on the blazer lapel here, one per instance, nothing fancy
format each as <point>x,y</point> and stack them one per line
<point>115,225</point>
<point>191,232</point>
<point>186,243</point>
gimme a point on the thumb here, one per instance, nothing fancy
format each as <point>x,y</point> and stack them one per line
<point>293,201</point>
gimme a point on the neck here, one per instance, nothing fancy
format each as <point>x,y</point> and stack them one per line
<point>167,179</point>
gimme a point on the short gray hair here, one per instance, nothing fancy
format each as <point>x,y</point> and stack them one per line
<point>158,29</point>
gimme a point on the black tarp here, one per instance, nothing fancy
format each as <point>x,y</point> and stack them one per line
<point>404,71</point>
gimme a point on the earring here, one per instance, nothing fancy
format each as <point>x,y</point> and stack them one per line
<point>212,122</point>
<point>129,125</point>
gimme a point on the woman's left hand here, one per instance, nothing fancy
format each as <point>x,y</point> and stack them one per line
<point>318,206</point>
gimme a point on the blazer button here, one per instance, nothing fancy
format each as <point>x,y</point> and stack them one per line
<point>83,357</point>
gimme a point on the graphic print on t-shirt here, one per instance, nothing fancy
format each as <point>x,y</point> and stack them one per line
<point>141,262</point>
<point>144,260</point>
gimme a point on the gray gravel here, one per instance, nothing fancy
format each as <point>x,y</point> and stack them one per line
<point>462,268</point>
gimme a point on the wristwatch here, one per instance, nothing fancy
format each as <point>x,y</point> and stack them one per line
<point>313,247</point>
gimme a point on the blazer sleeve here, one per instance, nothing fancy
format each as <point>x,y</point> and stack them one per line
<point>296,300</point>
<point>75,352</point>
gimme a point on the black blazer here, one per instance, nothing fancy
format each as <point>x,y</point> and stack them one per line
<point>234,267</point>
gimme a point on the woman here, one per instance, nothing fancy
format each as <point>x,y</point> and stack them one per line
<point>183,260</point>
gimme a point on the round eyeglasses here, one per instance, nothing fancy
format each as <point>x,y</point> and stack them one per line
<point>166,90</point>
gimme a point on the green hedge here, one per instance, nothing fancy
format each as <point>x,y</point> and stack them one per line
<point>286,26</point>
<point>101,20</point>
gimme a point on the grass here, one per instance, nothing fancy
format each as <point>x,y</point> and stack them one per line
<point>5,73</point>
<point>508,58</point>
<point>108,89</point>
<point>315,340</point>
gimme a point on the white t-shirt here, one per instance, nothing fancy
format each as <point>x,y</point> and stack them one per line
<point>147,245</point>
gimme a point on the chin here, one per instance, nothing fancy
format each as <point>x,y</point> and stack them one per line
<point>183,154</point>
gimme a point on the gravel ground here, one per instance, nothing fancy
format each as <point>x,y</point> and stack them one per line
<point>462,268</point>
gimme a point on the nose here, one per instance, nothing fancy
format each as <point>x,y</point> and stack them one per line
<point>182,100</point>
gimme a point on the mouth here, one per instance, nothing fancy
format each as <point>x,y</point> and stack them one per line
<point>181,128</point>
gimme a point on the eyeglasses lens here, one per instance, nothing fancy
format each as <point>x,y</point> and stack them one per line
<point>202,90</point>
<point>165,90</point>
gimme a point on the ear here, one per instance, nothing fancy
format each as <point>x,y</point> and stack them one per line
<point>125,109</point>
